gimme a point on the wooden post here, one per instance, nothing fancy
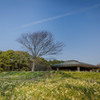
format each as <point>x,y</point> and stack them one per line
<point>78,68</point>
<point>88,81</point>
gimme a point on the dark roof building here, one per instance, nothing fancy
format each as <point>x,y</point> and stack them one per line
<point>74,65</point>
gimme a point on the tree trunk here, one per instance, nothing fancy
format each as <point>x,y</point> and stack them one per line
<point>33,66</point>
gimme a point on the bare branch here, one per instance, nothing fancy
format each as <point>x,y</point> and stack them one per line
<point>40,44</point>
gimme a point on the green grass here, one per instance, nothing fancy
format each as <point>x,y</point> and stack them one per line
<point>49,85</point>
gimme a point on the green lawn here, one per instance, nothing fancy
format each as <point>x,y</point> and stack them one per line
<point>49,85</point>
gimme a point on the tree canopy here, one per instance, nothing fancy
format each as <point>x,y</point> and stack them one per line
<point>21,61</point>
<point>14,60</point>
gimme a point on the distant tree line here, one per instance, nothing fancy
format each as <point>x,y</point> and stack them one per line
<point>22,61</point>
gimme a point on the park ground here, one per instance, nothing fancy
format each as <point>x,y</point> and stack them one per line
<point>49,85</point>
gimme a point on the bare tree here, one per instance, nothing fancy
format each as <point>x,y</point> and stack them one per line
<point>39,44</point>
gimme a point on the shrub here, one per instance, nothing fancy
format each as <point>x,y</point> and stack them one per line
<point>1,70</point>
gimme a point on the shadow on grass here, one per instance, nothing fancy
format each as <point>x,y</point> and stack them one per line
<point>7,89</point>
<point>71,75</point>
<point>88,92</point>
<point>67,75</point>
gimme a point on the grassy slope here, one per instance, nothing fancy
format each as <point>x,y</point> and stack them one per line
<point>49,85</point>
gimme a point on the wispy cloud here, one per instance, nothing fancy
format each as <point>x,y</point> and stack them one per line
<point>60,16</point>
<point>46,20</point>
<point>88,8</point>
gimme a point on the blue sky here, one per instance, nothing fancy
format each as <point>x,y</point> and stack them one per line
<point>74,22</point>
